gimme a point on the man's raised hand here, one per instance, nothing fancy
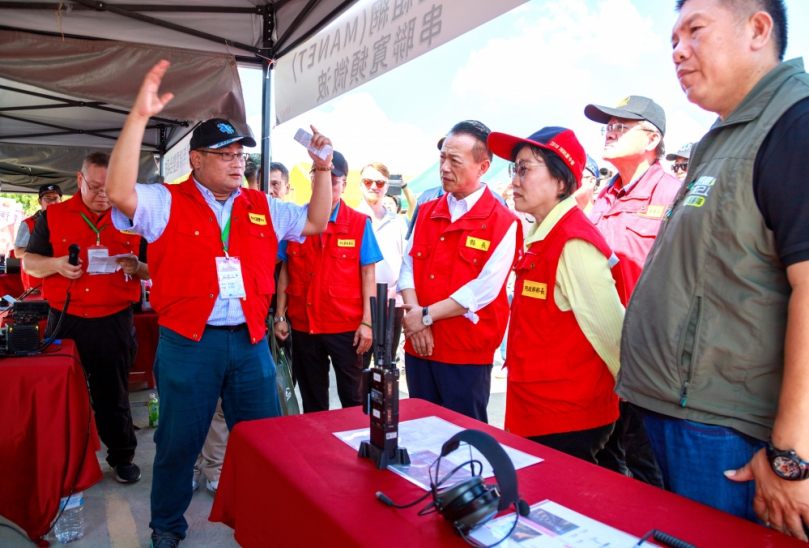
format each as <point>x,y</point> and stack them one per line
<point>149,103</point>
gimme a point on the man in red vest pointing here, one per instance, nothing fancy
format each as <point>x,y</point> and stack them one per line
<point>212,251</point>
<point>453,280</point>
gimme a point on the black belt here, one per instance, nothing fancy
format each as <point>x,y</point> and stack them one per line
<point>230,328</point>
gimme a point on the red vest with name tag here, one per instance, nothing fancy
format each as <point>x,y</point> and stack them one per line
<point>29,281</point>
<point>325,285</point>
<point>97,295</point>
<point>556,380</point>
<point>446,256</point>
<point>182,261</point>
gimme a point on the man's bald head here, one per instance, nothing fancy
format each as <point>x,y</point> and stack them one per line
<point>774,8</point>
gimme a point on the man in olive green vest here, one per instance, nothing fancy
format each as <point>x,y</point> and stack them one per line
<point>714,349</point>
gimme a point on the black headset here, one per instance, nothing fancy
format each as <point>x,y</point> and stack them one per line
<point>472,502</point>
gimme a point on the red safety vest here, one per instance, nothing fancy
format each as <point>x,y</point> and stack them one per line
<point>90,296</point>
<point>29,281</point>
<point>446,256</point>
<point>325,285</point>
<point>556,380</point>
<point>182,262</point>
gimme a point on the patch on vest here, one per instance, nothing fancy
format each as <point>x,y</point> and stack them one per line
<point>653,211</point>
<point>257,219</point>
<point>699,190</point>
<point>129,232</point>
<point>346,243</point>
<point>535,290</point>
<point>477,243</point>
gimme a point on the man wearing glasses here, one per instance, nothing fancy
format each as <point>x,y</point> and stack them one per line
<point>390,230</point>
<point>99,317</point>
<point>629,212</point>
<point>324,289</point>
<point>48,194</point>
<point>680,159</point>
<point>212,249</point>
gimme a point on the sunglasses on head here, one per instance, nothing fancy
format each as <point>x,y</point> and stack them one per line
<point>370,182</point>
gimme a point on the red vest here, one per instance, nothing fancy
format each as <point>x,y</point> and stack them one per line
<point>29,281</point>
<point>90,296</point>
<point>556,380</point>
<point>325,285</point>
<point>182,261</point>
<point>446,256</point>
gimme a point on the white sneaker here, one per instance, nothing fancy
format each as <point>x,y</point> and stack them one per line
<point>212,486</point>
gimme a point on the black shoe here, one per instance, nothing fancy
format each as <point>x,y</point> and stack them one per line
<point>127,472</point>
<point>165,540</point>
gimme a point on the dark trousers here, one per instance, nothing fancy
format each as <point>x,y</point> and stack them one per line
<point>582,444</point>
<point>628,450</point>
<point>464,389</point>
<point>397,337</point>
<point>191,377</point>
<point>312,353</point>
<point>107,348</point>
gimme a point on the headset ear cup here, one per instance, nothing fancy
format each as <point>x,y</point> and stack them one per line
<point>477,512</point>
<point>474,488</point>
<point>447,497</point>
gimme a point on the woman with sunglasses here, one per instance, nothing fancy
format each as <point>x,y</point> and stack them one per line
<point>566,316</point>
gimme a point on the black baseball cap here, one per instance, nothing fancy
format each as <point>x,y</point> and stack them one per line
<point>218,133</point>
<point>684,152</point>
<point>633,107</point>
<point>45,189</point>
<point>340,165</point>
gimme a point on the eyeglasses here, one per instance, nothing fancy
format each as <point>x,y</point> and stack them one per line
<point>51,199</point>
<point>520,167</point>
<point>228,156</point>
<point>370,182</point>
<point>622,128</point>
<point>97,189</point>
<point>679,166</point>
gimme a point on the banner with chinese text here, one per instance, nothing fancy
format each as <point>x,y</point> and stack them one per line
<point>369,40</point>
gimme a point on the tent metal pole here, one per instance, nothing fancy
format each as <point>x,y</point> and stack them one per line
<point>266,97</point>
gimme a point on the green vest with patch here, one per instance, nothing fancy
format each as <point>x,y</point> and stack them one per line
<point>703,337</point>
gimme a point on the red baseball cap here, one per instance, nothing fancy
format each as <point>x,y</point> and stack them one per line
<point>561,141</point>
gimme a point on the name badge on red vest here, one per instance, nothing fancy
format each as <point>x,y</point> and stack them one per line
<point>231,281</point>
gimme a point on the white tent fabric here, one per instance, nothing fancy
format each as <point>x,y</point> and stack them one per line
<point>70,70</point>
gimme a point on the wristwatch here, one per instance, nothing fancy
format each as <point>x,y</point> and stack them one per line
<point>276,319</point>
<point>787,464</point>
<point>426,319</point>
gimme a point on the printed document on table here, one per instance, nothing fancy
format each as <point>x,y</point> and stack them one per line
<point>550,525</point>
<point>105,265</point>
<point>423,439</point>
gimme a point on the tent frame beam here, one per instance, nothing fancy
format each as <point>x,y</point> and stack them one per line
<point>132,7</point>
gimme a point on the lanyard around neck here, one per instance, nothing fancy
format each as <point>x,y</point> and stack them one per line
<point>226,234</point>
<point>94,228</point>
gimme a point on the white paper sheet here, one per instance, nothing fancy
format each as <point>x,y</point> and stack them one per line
<point>551,525</point>
<point>105,265</point>
<point>423,439</point>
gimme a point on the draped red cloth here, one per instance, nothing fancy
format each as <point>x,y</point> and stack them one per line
<point>45,410</point>
<point>290,482</point>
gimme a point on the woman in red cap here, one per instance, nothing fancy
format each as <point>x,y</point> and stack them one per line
<point>565,331</point>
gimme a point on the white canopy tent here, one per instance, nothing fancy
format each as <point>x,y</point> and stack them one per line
<point>70,70</point>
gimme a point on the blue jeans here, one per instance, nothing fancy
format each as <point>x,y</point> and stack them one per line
<point>191,377</point>
<point>694,456</point>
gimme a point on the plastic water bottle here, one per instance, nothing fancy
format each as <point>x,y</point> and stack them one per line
<point>154,410</point>
<point>70,526</point>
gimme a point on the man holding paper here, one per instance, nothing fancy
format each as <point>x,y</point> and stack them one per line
<point>212,252</point>
<point>99,316</point>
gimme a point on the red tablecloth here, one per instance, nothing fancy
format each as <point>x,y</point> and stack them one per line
<point>11,284</point>
<point>148,335</point>
<point>290,482</point>
<point>44,408</point>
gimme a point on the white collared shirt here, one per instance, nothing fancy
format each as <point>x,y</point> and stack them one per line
<point>390,234</point>
<point>483,290</point>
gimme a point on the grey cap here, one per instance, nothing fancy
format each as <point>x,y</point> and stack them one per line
<point>633,107</point>
<point>684,152</point>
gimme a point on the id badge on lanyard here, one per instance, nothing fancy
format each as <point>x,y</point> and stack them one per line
<point>97,251</point>
<point>229,271</point>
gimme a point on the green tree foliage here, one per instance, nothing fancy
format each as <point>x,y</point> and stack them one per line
<point>30,202</point>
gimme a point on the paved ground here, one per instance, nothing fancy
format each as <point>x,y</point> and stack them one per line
<point>117,515</point>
